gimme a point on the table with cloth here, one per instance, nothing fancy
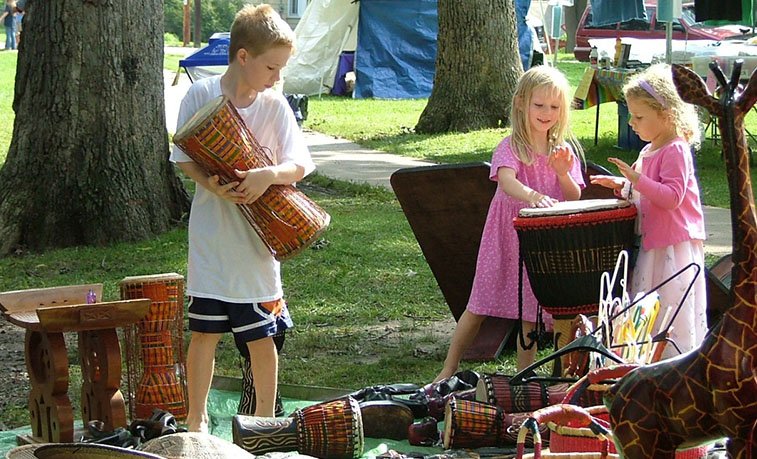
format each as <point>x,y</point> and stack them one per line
<point>598,86</point>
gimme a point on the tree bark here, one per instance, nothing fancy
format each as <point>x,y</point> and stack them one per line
<point>88,161</point>
<point>477,67</point>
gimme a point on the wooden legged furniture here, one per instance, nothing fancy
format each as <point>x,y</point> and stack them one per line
<point>46,314</point>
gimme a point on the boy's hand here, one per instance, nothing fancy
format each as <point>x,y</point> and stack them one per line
<point>254,183</point>
<point>561,160</point>
<point>608,181</point>
<point>626,170</point>
<point>226,191</point>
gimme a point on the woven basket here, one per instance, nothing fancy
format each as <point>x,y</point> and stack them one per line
<point>22,452</point>
<point>577,438</point>
<point>194,445</point>
<point>572,437</point>
<point>88,451</point>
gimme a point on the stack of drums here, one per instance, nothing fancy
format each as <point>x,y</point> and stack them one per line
<point>155,360</point>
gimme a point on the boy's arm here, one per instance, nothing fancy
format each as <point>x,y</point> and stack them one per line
<point>212,183</point>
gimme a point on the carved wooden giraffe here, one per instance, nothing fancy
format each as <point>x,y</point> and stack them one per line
<point>709,392</point>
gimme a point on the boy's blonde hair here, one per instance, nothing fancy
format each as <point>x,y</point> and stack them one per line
<point>540,76</point>
<point>258,29</point>
<point>655,87</point>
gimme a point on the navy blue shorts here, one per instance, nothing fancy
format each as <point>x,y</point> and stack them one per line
<point>247,321</point>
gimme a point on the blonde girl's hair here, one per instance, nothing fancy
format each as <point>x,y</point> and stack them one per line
<point>655,87</point>
<point>538,77</point>
<point>258,29</point>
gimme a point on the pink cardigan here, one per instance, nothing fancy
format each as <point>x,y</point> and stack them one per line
<point>671,211</point>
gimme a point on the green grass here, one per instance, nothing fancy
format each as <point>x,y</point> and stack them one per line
<point>171,61</point>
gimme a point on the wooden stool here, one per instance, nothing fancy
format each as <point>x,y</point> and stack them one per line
<point>46,314</point>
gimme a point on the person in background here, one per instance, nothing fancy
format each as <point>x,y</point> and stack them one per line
<point>534,166</point>
<point>9,21</point>
<point>19,23</point>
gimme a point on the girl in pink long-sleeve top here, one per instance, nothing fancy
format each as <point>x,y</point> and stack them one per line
<point>663,185</point>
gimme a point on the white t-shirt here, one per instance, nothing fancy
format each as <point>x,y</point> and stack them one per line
<point>227,259</point>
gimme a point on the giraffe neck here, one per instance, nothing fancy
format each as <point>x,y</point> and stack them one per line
<point>744,224</point>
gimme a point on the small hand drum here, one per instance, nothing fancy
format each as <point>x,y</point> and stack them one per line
<point>332,430</point>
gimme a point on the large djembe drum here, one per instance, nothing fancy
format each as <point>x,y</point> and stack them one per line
<point>155,360</point>
<point>218,140</point>
<point>566,248</point>
<point>332,430</point>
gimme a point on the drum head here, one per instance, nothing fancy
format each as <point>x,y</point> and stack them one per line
<point>207,111</point>
<point>574,207</point>
<point>150,278</point>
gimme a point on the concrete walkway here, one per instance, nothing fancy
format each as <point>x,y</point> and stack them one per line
<point>344,160</point>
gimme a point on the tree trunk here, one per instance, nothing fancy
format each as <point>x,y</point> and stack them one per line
<point>572,15</point>
<point>477,67</point>
<point>88,161</point>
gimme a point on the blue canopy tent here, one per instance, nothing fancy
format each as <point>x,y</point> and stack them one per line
<point>210,60</point>
<point>396,49</point>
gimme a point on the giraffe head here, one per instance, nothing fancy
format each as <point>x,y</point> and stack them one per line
<point>693,90</point>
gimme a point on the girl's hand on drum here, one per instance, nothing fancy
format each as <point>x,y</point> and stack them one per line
<point>608,181</point>
<point>254,183</point>
<point>561,160</point>
<point>542,200</point>
<point>225,191</point>
<point>626,170</point>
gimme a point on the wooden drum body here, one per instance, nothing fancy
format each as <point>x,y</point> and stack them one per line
<point>472,424</point>
<point>496,389</point>
<point>155,358</point>
<point>566,248</point>
<point>218,140</point>
<point>327,430</point>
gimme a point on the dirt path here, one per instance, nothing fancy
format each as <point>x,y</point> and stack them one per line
<point>14,381</point>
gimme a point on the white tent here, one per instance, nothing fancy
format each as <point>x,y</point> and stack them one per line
<point>327,28</point>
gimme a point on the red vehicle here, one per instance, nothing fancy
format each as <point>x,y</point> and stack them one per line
<point>684,28</point>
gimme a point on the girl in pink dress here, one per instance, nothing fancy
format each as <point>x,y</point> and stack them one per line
<point>534,167</point>
<point>664,188</point>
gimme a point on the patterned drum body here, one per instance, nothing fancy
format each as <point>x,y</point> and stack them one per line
<point>218,140</point>
<point>327,430</point>
<point>155,358</point>
<point>333,429</point>
<point>496,389</point>
<point>566,248</point>
<point>472,424</point>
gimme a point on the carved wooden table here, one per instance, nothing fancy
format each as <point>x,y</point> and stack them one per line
<point>46,314</point>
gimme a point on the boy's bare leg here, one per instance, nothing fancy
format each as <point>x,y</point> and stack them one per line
<point>265,375</point>
<point>465,331</point>
<point>526,356</point>
<point>200,363</point>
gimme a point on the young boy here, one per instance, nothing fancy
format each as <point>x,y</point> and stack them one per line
<point>232,279</point>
